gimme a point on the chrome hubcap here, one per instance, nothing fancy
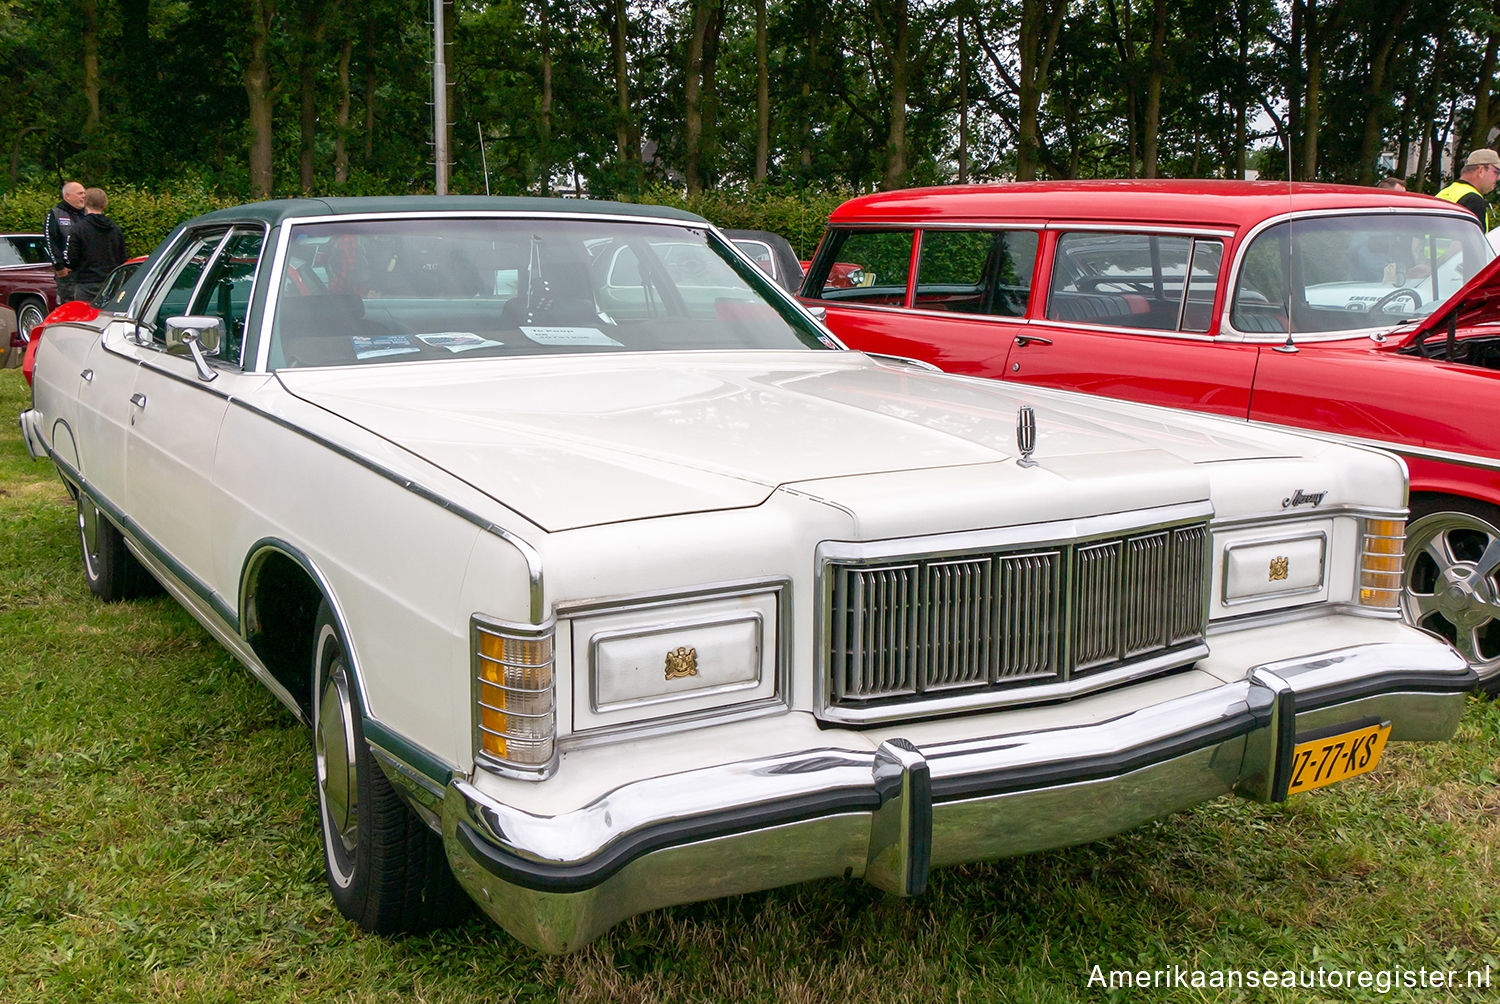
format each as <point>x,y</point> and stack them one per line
<point>29,317</point>
<point>338,775</point>
<point>1452,559</point>
<point>88,532</point>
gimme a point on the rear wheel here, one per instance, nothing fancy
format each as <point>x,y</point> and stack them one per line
<point>1453,577</point>
<point>113,573</point>
<point>386,870</point>
<point>28,315</point>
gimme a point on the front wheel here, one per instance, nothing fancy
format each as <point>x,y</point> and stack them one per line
<point>386,870</point>
<point>1453,577</point>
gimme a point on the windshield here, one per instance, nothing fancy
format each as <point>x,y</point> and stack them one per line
<point>1341,273</point>
<point>371,291</point>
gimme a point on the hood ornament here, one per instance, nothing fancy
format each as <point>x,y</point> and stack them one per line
<point>1026,434</point>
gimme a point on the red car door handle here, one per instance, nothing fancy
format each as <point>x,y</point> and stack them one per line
<point>1024,340</point>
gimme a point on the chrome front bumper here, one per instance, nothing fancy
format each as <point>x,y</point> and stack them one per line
<point>892,813</point>
<point>31,435</point>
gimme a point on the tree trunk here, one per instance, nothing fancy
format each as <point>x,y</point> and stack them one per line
<point>1156,70</point>
<point>762,95</point>
<point>1378,93</point>
<point>341,137</point>
<point>1486,115</point>
<point>258,90</point>
<point>1041,20</point>
<point>896,39</point>
<point>692,123</point>
<point>1124,38</point>
<point>963,104</point>
<point>616,16</point>
<point>545,130</point>
<point>91,64</point>
<point>310,44</point>
<point>370,81</point>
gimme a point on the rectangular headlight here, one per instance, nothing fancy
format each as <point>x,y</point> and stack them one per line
<point>1382,560</point>
<point>515,693</point>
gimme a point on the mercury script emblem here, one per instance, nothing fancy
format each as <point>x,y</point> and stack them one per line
<point>1026,435</point>
<point>1278,569</point>
<point>1300,497</point>
<point>682,661</point>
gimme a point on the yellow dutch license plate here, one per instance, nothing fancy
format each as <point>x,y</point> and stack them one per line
<point>1322,761</point>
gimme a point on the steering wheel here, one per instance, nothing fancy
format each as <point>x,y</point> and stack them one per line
<point>1400,292</point>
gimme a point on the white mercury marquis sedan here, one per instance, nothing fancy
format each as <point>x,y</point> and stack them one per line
<point>606,579</point>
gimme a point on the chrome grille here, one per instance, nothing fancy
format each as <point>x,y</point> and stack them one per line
<point>905,628</point>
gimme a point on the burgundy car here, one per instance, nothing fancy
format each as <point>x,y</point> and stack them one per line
<point>1367,315</point>
<point>28,284</point>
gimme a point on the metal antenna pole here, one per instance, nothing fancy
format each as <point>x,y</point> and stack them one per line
<point>439,100</point>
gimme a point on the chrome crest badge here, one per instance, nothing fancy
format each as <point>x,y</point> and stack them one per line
<point>1278,569</point>
<point>1026,435</point>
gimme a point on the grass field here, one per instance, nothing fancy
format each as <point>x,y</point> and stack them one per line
<point>158,842</point>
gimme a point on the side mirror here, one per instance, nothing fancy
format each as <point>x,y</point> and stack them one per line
<point>820,314</point>
<point>198,336</point>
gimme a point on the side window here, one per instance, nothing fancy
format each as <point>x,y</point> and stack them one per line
<point>1135,280</point>
<point>225,291</point>
<point>175,298</point>
<point>976,271</point>
<point>863,266</point>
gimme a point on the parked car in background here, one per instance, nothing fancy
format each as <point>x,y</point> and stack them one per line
<point>1315,307</point>
<point>28,284</point>
<point>772,254</point>
<point>606,579</point>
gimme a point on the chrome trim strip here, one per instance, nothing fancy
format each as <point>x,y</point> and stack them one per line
<point>1401,449</point>
<point>201,602</point>
<point>529,554</point>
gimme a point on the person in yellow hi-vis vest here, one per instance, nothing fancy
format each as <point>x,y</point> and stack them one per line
<point>1475,181</point>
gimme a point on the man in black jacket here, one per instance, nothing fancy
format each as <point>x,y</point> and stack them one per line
<point>95,247</point>
<point>60,221</point>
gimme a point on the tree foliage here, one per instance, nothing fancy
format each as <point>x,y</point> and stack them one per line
<point>615,97</point>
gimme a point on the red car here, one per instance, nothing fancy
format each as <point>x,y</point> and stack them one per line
<point>1368,315</point>
<point>28,284</point>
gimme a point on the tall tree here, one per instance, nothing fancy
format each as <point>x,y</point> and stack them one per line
<point>258,90</point>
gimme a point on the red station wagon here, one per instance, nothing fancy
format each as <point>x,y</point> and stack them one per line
<point>1367,315</point>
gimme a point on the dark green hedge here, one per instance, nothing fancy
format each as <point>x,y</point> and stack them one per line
<point>147,217</point>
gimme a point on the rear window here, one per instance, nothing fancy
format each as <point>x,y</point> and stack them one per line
<point>22,249</point>
<point>1135,280</point>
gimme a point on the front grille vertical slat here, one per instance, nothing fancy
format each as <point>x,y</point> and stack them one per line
<point>915,626</point>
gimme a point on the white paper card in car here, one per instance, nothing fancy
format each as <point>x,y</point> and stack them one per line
<point>456,341</point>
<point>559,335</point>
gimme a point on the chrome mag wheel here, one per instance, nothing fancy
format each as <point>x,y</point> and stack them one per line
<point>1452,589</point>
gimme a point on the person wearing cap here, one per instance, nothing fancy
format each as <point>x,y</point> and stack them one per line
<point>1475,181</point>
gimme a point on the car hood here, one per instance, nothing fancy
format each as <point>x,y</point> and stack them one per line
<point>577,441</point>
<point>1477,303</point>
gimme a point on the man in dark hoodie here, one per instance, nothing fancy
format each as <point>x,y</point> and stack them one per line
<point>95,247</point>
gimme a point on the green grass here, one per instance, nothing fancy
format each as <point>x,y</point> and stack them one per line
<point>158,842</point>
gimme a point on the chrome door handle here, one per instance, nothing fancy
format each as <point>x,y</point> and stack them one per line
<point>88,376</point>
<point>138,403</point>
<point>1024,340</point>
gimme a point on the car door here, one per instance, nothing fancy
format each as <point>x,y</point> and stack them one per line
<point>1130,315</point>
<point>176,411</point>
